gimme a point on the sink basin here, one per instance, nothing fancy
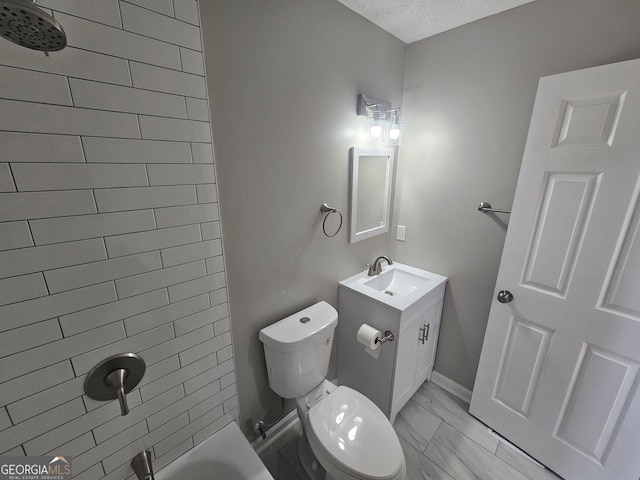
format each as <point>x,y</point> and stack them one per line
<point>398,286</point>
<point>397,282</point>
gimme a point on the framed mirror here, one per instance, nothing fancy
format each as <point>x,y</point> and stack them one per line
<point>371,185</point>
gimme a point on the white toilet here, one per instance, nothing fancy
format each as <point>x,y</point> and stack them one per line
<point>346,436</point>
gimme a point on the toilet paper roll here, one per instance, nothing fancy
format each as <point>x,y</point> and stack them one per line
<point>367,336</point>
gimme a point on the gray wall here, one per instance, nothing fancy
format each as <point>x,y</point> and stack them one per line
<point>283,78</point>
<point>468,99</point>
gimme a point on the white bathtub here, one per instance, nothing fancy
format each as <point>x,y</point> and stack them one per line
<point>226,455</point>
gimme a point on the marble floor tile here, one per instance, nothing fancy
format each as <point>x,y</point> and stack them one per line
<point>270,459</point>
<point>523,463</point>
<point>287,472</point>
<point>464,459</point>
<point>420,467</point>
<point>289,462</point>
<point>416,425</point>
<point>455,412</point>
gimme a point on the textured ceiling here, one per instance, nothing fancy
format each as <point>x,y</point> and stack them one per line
<point>412,20</point>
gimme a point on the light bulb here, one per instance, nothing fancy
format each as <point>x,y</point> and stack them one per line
<point>394,130</point>
<point>376,126</point>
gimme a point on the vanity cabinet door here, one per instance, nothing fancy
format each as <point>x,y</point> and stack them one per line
<point>415,356</point>
<point>404,381</point>
<point>428,339</point>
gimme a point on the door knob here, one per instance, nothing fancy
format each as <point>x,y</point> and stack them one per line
<point>505,296</point>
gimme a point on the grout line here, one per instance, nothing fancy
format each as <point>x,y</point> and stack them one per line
<point>121,23</point>
<point>506,442</point>
<point>82,149</point>
<point>130,74</point>
<point>69,91</point>
<point>152,10</point>
<point>13,181</point>
<point>123,29</point>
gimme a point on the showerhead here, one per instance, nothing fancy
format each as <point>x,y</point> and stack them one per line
<point>22,23</point>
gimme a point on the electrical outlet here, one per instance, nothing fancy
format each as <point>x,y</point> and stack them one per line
<point>400,235</point>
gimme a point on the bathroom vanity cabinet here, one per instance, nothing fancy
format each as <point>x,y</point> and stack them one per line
<point>404,363</point>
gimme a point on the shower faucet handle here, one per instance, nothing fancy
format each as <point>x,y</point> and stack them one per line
<point>114,377</point>
<point>116,380</point>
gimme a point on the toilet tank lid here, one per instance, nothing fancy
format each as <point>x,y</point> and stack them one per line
<point>302,327</point>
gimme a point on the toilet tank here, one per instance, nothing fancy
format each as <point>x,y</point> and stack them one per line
<point>297,349</point>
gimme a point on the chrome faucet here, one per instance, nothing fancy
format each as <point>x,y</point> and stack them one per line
<point>375,268</point>
<point>141,464</point>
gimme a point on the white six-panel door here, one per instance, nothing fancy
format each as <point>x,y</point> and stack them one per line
<point>558,374</point>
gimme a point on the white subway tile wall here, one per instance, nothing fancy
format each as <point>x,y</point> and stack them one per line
<point>110,239</point>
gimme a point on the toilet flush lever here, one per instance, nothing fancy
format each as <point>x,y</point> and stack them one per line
<point>114,377</point>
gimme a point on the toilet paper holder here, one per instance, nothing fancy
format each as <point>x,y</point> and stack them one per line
<point>388,337</point>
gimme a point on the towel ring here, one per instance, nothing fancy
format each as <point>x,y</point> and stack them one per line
<point>326,210</point>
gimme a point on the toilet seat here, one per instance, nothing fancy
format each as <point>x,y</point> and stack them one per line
<point>352,438</point>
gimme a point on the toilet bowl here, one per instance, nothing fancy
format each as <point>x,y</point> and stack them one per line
<point>349,436</point>
<point>345,435</point>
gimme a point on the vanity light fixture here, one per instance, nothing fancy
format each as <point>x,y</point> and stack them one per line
<point>385,125</point>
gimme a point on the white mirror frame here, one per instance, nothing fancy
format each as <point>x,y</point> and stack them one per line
<point>355,154</point>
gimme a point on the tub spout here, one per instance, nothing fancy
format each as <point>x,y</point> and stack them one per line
<point>141,464</point>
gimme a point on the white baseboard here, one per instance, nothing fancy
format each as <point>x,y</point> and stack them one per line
<point>452,387</point>
<point>275,432</point>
